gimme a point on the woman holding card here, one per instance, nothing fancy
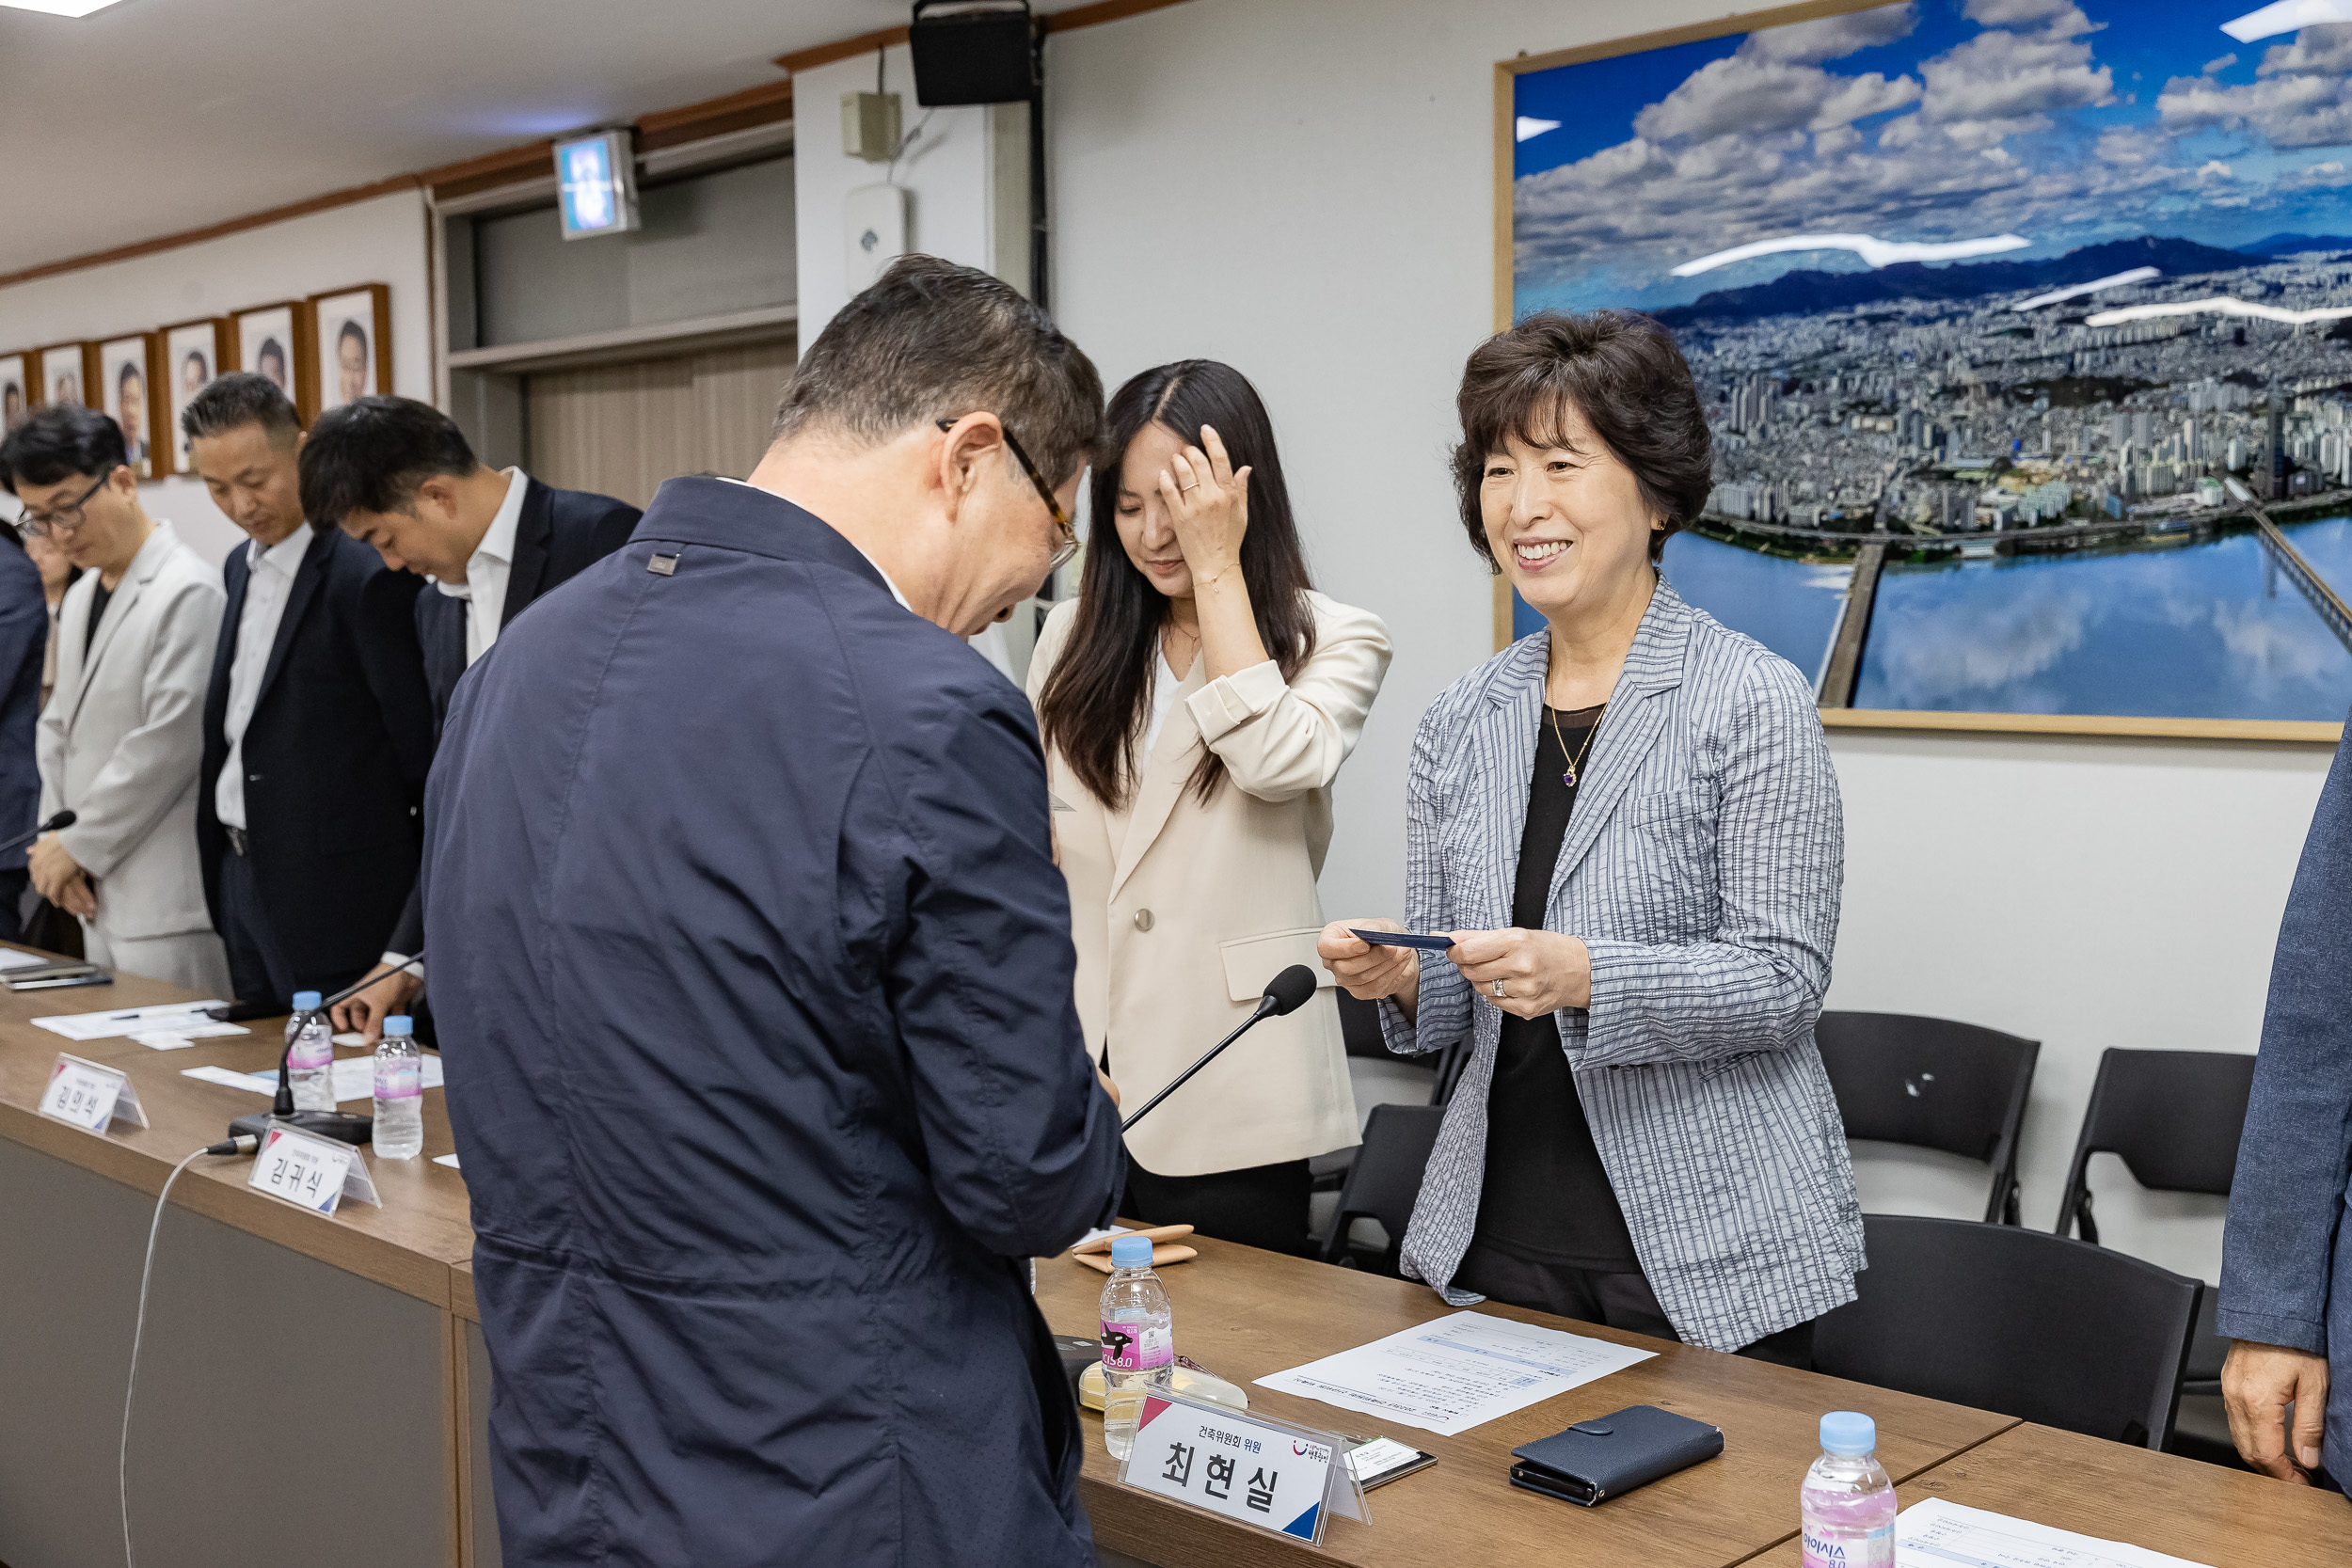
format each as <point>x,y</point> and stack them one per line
<point>1629,829</point>
<point>1196,702</point>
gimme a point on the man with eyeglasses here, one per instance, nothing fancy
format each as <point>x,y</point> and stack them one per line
<point>754,974</point>
<point>122,737</point>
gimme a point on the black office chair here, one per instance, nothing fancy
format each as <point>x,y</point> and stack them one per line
<point>1359,1031</point>
<point>2012,1320</point>
<point>1383,1184</point>
<point>1934,1084</point>
<point>2175,1118</point>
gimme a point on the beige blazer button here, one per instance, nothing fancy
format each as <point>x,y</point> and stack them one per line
<point>1143,920</point>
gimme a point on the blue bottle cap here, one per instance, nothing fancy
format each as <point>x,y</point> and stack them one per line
<point>306,1002</point>
<point>1849,1433</point>
<point>1131,1252</point>
<point>400,1023</point>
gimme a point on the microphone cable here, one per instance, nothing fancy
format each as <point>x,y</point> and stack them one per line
<point>242,1144</point>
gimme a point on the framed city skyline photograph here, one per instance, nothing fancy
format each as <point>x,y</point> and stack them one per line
<point>353,333</point>
<point>274,341</point>
<point>2002,311</point>
<point>127,385</point>
<point>195,354</point>
<point>16,395</point>
<point>66,372</point>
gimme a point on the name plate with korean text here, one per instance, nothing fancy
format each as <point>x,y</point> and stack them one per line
<point>312,1172</point>
<point>1286,1478</point>
<point>85,1095</point>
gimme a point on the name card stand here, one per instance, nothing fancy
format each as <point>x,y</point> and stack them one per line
<point>1289,1479</point>
<point>311,1172</point>
<point>86,1095</point>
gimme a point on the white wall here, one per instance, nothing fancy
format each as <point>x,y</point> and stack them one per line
<point>383,241</point>
<point>1307,191</point>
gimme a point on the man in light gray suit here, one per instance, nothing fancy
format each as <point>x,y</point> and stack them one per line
<point>122,736</point>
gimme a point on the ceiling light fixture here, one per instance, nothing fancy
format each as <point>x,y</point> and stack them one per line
<point>57,8</point>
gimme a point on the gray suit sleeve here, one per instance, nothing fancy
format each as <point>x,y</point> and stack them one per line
<point>1779,850</point>
<point>157,761</point>
<point>2288,1196</point>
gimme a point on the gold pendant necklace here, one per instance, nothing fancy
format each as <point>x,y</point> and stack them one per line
<point>1568,778</point>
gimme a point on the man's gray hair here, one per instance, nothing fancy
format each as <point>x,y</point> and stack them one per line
<point>934,341</point>
<point>241,398</point>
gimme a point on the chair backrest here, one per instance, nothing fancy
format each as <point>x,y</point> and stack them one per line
<point>1359,1030</point>
<point>2173,1117</point>
<point>1384,1180</point>
<point>2012,1320</point>
<point>1933,1083</point>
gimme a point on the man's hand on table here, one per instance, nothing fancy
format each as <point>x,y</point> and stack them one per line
<point>2258,1382</point>
<point>366,1011</point>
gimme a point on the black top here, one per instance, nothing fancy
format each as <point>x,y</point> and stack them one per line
<point>1547,1198</point>
<point>99,595</point>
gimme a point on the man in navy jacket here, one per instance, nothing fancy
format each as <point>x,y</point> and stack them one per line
<point>318,728</point>
<point>23,639</point>
<point>2286,1255</point>
<point>755,972</point>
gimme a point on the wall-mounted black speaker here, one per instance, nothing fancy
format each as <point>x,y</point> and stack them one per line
<point>972,52</point>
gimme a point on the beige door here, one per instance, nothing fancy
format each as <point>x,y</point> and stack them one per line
<point>621,429</point>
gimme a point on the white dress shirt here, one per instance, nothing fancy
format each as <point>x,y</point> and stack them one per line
<point>269,583</point>
<point>485,588</point>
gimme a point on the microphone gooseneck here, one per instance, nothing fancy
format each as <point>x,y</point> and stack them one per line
<point>1286,993</point>
<point>59,823</point>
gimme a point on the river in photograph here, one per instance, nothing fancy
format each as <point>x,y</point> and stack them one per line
<point>2209,629</point>
<point>1791,606</point>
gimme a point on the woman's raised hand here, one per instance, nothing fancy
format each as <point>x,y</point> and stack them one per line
<point>1367,971</point>
<point>1208,506</point>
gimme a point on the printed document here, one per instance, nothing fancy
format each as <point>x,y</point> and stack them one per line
<point>1454,1373</point>
<point>181,1018</point>
<point>1939,1534</point>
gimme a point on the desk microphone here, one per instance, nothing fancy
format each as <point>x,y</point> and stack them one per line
<point>342,1126</point>
<point>1286,993</point>
<point>62,820</point>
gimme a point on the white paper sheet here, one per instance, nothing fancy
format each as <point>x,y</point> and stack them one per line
<point>228,1080</point>
<point>1456,1372</point>
<point>105,1027</point>
<point>355,1077</point>
<point>448,1160</point>
<point>11,958</point>
<point>1941,1534</point>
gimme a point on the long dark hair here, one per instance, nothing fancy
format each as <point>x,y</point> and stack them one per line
<point>1097,700</point>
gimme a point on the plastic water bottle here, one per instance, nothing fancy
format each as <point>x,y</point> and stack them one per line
<point>1847,1505</point>
<point>399,1092</point>
<point>310,1054</point>
<point>1138,1340</point>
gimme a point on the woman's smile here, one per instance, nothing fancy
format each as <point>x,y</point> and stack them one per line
<point>1533,555</point>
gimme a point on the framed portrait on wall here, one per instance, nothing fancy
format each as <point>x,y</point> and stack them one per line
<point>127,384</point>
<point>353,330</point>
<point>16,394</point>
<point>194,355</point>
<point>68,373</point>
<point>2022,333</point>
<point>275,340</point>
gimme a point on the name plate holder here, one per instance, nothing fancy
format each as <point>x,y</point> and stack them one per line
<point>1284,1479</point>
<point>311,1172</point>
<point>86,1095</point>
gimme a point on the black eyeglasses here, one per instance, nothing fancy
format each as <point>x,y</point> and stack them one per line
<point>39,524</point>
<point>1067,544</point>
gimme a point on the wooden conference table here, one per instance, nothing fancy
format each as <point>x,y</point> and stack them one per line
<point>315,1388</point>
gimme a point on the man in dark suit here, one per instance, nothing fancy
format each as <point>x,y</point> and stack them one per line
<point>400,475</point>
<point>24,644</point>
<point>318,729</point>
<point>765,1063</point>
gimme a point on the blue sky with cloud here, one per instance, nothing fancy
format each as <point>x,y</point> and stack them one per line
<point>2065,123</point>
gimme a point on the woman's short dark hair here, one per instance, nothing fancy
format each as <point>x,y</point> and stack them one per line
<point>63,441</point>
<point>371,454</point>
<point>1097,700</point>
<point>1623,374</point>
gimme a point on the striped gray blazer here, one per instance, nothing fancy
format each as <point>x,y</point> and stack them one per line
<point>1702,867</point>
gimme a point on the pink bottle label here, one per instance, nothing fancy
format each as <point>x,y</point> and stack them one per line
<point>316,1052</point>
<point>1136,1347</point>
<point>1849,1548</point>
<point>399,1080</point>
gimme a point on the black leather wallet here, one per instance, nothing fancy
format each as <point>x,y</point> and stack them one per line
<point>1608,1455</point>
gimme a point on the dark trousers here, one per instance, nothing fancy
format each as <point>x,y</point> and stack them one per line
<point>13,888</point>
<point>1262,1206</point>
<point>258,970</point>
<point>1619,1300</point>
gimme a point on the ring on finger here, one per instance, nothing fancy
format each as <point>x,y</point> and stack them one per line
<point>1499,991</point>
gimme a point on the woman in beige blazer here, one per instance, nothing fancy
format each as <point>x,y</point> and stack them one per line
<point>1196,703</point>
